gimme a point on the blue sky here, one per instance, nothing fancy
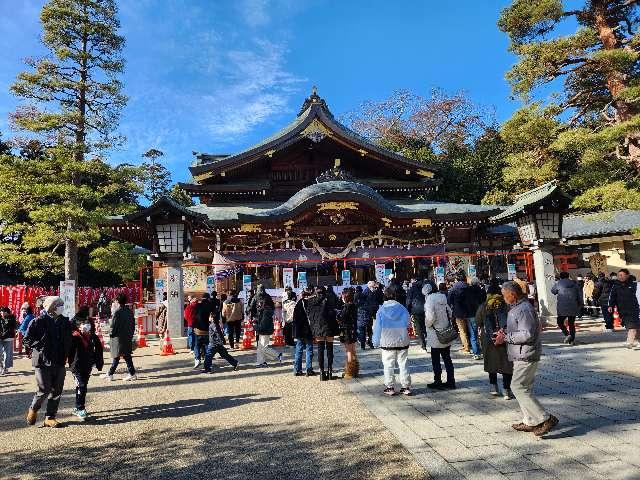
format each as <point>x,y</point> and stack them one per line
<point>216,76</point>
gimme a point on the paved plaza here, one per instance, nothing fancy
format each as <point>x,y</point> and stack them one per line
<point>263,423</point>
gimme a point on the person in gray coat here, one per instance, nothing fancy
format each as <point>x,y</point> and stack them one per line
<point>123,327</point>
<point>569,305</point>
<point>524,348</point>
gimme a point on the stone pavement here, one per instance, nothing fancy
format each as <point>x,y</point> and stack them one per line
<point>593,387</point>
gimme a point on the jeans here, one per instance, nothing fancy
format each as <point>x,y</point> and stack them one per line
<point>506,380</point>
<point>50,382</point>
<point>190,338</point>
<point>234,332</point>
<point>302,344</point>
<point>571,320</point>
<point>606,315</point>
<point>129,362</point>
<point>472,327</point>
<point>524,374</point>
<point>6,353</point>
<point>82,380</point>
<point>200,344</point>
<point>445,353</point>
<point>389,359</point>
<point>211,350</point>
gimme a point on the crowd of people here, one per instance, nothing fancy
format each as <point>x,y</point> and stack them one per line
<point>495,322</point>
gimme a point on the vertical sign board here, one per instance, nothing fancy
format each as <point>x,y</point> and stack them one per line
<point>472,271</point>
<point>346,278</point>
<point>68,295</point>
<point>246,282</point>
<point>302,279</point>
<point>161,287</point>
<point>287,277</point>
<point>380,273</point>
<point>211,284</point>
<point>511,271</point>
<point>387,272</point>
<point>439,274</point>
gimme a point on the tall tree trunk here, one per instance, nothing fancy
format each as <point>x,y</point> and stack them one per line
<point>616,81</point>
<point>70,259</point>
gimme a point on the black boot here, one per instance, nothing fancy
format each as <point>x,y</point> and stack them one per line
<point>321,347</point>
<point>437,383</point>
<point>450,384</point>
<point>329,347</point>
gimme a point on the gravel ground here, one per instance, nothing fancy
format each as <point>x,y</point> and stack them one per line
<point>175,422</point>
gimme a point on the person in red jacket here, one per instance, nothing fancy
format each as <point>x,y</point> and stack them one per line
<point>189,316</point>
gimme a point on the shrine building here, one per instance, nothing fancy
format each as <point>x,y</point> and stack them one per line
<point>319,198</point>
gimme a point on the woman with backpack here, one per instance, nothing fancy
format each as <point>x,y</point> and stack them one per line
<point>492,317</point>
<point>440,335</point>
<point>347,320</point>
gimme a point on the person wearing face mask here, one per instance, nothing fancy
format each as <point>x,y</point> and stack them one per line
<point>50,338</point>
<point>86,351</point>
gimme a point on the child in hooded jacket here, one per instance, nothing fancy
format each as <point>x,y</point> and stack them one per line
<point>86,352</point>
<point>390,333</point>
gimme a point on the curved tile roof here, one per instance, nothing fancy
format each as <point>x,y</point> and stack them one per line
<point>600,224</point>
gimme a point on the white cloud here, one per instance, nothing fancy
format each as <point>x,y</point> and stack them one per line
<point>255,12</point>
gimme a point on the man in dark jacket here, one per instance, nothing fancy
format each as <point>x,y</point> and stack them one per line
<point>8,326</point>
<point>569,305</point>
<point>371,300</point>
<point>601,295</point>
<point>415,305</point>
<point>216,345</point>
<point>623,295</point>
<point>49,337</point>
<point>458,301</point>
<point>123,327</point>
<point>474,297</point>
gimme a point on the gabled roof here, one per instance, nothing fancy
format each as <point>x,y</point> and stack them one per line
<point>599,224</point>
<point>547,194</point>
<point>165,205</point>
<point>315,118</point>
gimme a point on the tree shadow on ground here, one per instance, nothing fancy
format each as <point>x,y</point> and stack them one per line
<point>269,452</point>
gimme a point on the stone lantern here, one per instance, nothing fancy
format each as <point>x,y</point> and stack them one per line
<point>538,217</point>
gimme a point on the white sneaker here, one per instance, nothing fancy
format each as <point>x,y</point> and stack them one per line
<point>106,376</point>
<point>508,394</point>
<point>196,363</point>
<point>493,390</point>
<point>129,378</point>
<point>3,371</point>
<point>477,357</point>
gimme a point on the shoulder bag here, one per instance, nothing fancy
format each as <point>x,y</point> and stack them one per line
<point>447,334</point>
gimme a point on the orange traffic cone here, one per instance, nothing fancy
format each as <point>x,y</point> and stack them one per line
<point>616,318</point>
<point>247,336</point>
<point>277,338</point>
<point>142,340</point>
<point>167,346</point>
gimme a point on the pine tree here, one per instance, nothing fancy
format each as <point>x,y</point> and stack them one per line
<point>589,121</point>
<point>73,97</point>
<point>156,176</point>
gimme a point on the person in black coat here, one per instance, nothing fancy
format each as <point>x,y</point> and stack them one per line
<point>86,352</point>
<point>415,305</point>
<point>324,328</point>
<point>601,293</point>
<point>123,327</point>
<point>348,320</point>
<point>8,326</point>
<point>265,308</point>
<point>624,296</point>
<point>49,337</point>
<point>301,332</point>
<point>372,298</point>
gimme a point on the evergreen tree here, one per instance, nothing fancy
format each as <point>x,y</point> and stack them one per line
<point>587,133</point>
<point>156,176</point>
<point>38,198</point>
<point>180,196</point>
<point>73,97</point>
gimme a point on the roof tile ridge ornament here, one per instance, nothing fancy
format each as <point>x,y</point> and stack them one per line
<point>335,174</point>
<point>548,185</point>
<point>315,99</point>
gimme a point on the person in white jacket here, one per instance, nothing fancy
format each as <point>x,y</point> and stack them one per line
<point>438,316</point>
<point>391,334</point>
